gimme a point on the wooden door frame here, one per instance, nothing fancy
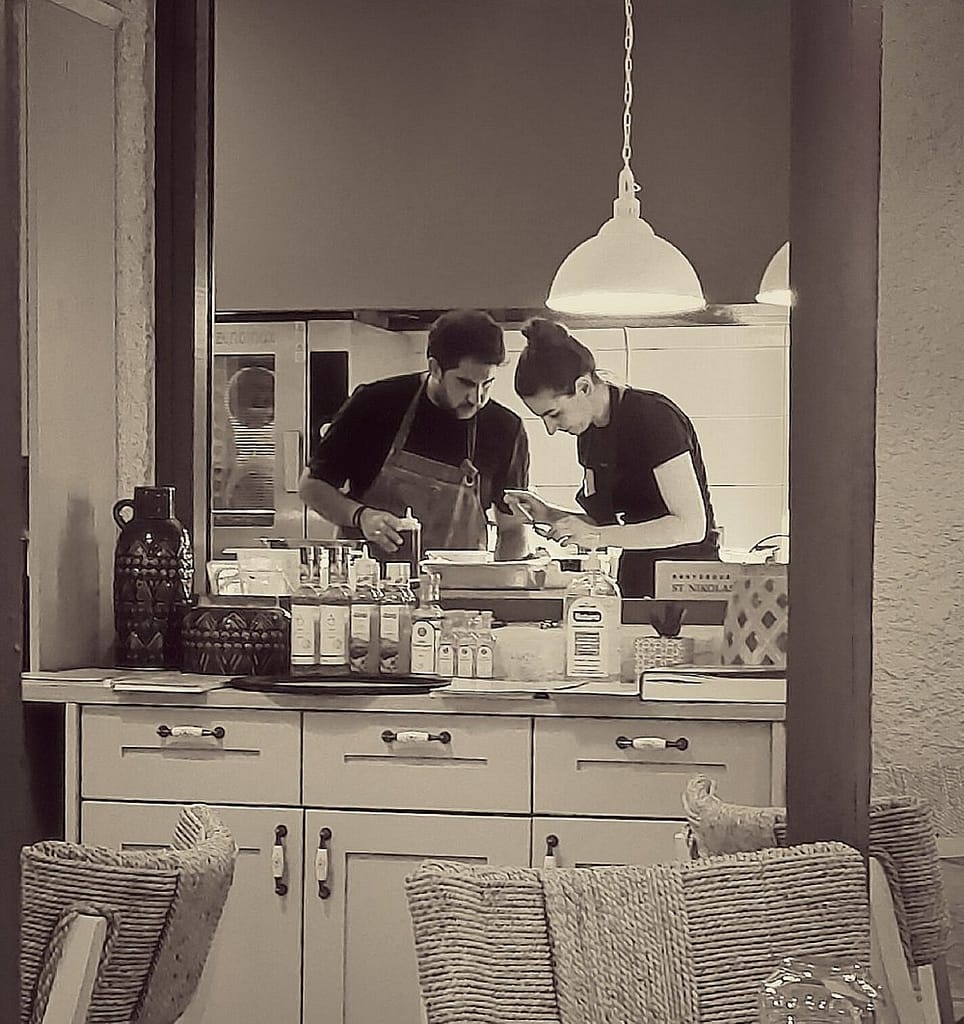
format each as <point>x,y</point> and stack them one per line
<point>16,826</point>
<point>834,187</point>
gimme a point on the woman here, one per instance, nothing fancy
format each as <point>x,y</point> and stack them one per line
<point>644,486</point>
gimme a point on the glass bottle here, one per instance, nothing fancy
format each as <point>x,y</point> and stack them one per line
<point>427,626</point>
<point>451,621</point>
<point>484,643</point>
<point>363,634</point>
<point>306,614</point>
<point>395,622</point>
<point>818,990</point>
<point>335,613</point>
<point>592,613</point>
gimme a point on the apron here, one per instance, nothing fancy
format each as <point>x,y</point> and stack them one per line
<point>445,499</point>
<point>637,566</point>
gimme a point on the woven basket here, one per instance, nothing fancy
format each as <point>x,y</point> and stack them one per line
<point>757,613</point>
<point>655,651</point>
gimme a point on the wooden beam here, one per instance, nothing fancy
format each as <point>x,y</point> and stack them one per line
<point>184,282</point>
<point>834,172</point>
<point>14,822</point>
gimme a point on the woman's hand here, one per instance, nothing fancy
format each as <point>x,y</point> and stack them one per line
<point>529,505</point>
<point>575,530</point>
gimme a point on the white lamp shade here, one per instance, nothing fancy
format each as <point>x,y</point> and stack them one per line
<point>626,269</point>
<point>775,285</point>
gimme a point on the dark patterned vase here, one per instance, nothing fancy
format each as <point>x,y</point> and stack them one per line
<point>153,578</point>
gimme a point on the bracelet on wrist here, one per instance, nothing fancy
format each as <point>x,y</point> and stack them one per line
<point>356,516</point>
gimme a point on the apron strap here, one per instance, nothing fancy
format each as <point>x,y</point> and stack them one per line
<point>405,427</point>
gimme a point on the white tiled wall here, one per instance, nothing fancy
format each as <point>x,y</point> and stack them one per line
<point>731,381</point>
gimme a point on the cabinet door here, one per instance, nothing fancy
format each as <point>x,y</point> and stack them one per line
<point>596,842</point>
<point>359,965</point>
<point>253,973</point>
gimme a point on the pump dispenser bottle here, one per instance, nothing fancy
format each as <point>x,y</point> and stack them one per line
<point>592,614</point>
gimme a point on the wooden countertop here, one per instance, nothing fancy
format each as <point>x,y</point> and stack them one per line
<point>591,700</point>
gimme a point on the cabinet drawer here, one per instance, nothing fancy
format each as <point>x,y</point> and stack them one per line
<point>580,769</point>
<point>600,842</point>
<point>128,755</point>
<point>479,764</point>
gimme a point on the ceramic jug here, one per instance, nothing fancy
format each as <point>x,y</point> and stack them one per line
<point>153,580</point>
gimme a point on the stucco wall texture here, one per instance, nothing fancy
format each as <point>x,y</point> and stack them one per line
<point>918,686</point>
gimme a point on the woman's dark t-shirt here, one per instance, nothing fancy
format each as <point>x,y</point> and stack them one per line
<point>645,430</point>
<point>354,448</point>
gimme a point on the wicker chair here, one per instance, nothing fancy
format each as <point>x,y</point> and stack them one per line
<point>909,912</point>
<point>688,942</point>
<point>121,938</point>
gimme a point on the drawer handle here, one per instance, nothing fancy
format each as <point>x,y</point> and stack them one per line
<point>549,861</point>
<point>650,743</point>
<point>414,736</point>
<point>323,863</point>
<point>278,860</point>
<point>165,731</point>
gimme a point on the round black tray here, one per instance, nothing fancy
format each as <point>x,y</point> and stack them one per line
<point>341,684</point>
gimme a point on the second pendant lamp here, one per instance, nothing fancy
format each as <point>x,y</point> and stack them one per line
<point>626,269</point>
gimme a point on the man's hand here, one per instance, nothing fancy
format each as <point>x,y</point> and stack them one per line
<point>381,528</point>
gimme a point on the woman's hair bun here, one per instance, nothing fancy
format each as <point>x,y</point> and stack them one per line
<point>542,333</point>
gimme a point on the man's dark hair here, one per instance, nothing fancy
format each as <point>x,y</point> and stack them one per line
<point>466,334</point>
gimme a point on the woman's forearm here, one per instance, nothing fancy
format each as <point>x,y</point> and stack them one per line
<point>666,532</point>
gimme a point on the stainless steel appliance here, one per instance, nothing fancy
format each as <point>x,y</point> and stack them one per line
<point>275,387</point>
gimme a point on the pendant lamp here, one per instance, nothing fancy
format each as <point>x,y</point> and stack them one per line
<point>626,269</point>
<point>775,284</point>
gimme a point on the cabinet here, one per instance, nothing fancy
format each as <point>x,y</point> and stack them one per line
<point>253,974</point>
<point>360,792</point>
<point>359,959</point>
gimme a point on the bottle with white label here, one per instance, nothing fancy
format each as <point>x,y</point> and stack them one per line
<point>484,644</point>
<point>395,622</point>
<point>363,632</point>
<point>427,626</point>
<point>305,616</point>
<point>446,663</point>
<point>592,613</point>
<point>335,613</point>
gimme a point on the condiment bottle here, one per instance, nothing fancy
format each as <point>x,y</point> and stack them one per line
<point>395,622</point>
<point>409,552</point>
<point>363,633</point>
<point>446,663</point>
<point>484,644</point>
<point>335,613</point>
<point>427,626</point>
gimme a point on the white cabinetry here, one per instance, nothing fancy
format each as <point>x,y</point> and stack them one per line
<point>358,797</point>
<point>254,971</point>
<point>358,952</point>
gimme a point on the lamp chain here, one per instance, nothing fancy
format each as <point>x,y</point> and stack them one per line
<point>628,88</point>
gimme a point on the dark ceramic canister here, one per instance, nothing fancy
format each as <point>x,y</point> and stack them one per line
<point>153,580</point>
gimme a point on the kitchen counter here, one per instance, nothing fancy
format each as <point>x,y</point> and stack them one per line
<point>93,686</point>
<point>333,799</point>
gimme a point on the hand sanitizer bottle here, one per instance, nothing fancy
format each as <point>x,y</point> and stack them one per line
<point>592,609</point>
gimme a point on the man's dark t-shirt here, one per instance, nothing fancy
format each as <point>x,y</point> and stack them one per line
<point>357,442</point>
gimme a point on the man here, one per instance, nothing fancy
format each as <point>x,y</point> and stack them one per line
<point>433,443</point>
